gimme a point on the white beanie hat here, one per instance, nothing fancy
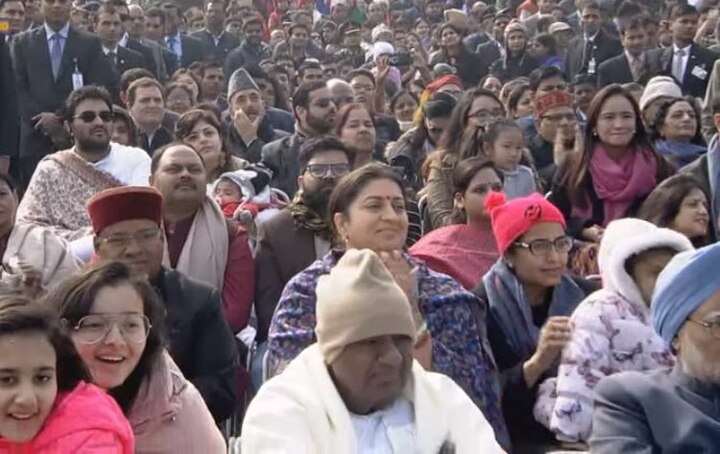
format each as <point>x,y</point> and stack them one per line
<point>658,87</point>
<point>382,48</point>
<point>359,300</point>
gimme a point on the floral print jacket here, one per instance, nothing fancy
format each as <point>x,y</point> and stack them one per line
<point>459,344</point>
<point>610,335</point>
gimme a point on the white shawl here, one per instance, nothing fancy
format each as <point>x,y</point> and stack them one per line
<point>43,250</point>
<point>300,411</point>
<point>204,255</point>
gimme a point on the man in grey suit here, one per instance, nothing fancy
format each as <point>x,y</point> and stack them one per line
<point>50,61</point>
<point>8,113</point>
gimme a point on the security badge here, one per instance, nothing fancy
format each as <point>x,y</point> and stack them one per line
<point>700,72</point>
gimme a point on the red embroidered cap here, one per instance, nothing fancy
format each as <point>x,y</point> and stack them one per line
<point>123,204</point>
<point>512,219</point>
<point>555,98</point>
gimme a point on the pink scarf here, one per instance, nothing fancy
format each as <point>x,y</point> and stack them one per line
<point>619,183</point>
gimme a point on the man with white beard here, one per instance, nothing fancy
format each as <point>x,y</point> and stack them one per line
<point>678,409</point>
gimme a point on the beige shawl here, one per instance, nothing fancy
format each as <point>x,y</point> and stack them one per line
<point>205,253</point>
<point>43,250</point>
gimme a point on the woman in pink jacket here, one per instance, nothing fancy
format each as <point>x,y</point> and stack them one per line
<point>46,406</point>
<point>116,324</point>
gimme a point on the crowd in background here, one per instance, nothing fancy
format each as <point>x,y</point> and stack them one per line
<point>341,226</point>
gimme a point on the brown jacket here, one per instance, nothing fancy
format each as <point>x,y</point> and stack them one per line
<point>283,251</point>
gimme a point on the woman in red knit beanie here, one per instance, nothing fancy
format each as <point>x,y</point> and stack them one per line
<point>530,298</point>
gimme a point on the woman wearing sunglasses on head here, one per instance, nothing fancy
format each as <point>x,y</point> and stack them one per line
<point>530,297</point>
<point>116,324</point>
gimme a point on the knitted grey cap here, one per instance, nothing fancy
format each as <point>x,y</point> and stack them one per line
<point>240,80</point>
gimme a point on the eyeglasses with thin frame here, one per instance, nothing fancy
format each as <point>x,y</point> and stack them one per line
<point>541,248</point>
<point>712,327</point>
<point>93,328</point>
<point>89,116</point>
<point>324,170</point>
<point>143,238</point>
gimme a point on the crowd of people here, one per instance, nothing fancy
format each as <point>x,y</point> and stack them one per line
<point>355,226</point>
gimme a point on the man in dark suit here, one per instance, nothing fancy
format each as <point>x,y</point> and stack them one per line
<point>14,12</point>
<point>127,42</point>
<point>9,112</point>
<point>251,51</point>
<point>631,65</point>
<point>49,61</point>
<point>213,35</point>
<point>187,50</point>
<point>146,105</point>
<point>155,23</point>
<point>587,52</point>
<point>688,63</point>
<point>108,27</point>
<point>300,227</point>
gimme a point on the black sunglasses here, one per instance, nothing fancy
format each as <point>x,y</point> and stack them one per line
<point>90,116</point>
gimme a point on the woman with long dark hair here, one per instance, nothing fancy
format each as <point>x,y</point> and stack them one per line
<point>117,325</point>
<point>616,171</point>
<point>461,140</point>
<point>453,52</point>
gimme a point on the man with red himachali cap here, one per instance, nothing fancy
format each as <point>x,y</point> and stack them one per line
<point>558,133</point>
<point>127,224</point>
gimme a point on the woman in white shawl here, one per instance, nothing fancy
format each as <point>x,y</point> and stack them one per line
<point>32,257</point>
<point>358,390</point>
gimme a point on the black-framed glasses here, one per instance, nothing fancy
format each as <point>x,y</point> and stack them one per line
<point>144,238</point>
<point>90,116</point>
<point>541,248</point>
<point>712,327</point>
<point>93,328</point>
<point>323,170</point>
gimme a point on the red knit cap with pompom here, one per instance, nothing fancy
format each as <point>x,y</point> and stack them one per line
<point>512,219</point>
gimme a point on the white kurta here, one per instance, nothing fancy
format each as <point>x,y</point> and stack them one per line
<point>300,411</point>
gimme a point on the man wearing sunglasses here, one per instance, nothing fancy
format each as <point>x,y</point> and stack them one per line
<point>315,111</point>
<point>65,180</point>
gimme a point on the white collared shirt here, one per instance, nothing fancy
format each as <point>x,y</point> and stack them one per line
<point>124,40</point>
<point>106,51</point>
<point>685,58</point>
<point>63,32</point>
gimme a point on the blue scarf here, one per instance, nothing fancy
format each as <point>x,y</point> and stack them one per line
<point>680,153</point>
<point>511,310</point>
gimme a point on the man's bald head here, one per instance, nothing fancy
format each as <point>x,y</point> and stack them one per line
<point>341,91</point>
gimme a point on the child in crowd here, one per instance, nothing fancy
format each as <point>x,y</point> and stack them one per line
<point>246,196</point>
<point>46,402</point>
<point>503,143</point>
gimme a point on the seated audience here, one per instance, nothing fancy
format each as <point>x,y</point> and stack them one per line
<point>679,203</point>
<point>658,90</point>
<point>127,224</point>
<point>611,329</point>
<point>367,209</point>
<point>324,402</point>
<point>466,250</point>
<point>503,144</point>
<point>676,131</point>
<point>355,127</point>
<point>530,298</point>
<point>116,323</point>
<point>48,404</point>
<point>675,409</point>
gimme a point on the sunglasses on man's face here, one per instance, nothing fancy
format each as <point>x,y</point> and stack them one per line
<point>90,116</point>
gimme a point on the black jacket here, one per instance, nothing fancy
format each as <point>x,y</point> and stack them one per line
<point>9,112</point>
<point>192,50</point>
<point>161,138</point>
<point>697,71</point>
<point>518,399</point>
<point>200,340</point>
<point>245,55</point>
<point>602,48</point>
<point>226,43</point>
<point>39,92</point>
<point>515,67</point>
<point>617,71</point>
<point>281,157</point>
<point>469,66</point>
<point>253,152</point>
<point>149,61</point>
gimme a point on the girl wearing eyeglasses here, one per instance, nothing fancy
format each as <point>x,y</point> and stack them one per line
<point>46,402</point>
<point>530,297</point>
<point>467,249</point>
<point>116,325</point>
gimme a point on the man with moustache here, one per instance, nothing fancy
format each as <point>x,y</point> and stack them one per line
<point>201,243</point>
<point>315,111</point>
<point>302,227</point>
<point>249,128</point>
<point>676,409</point>
<point>65,180</point>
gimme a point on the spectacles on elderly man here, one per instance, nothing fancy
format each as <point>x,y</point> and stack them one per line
<point>143,238</point>
<point>712,327</point>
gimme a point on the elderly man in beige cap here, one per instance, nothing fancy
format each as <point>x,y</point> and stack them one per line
<point>358,389</point>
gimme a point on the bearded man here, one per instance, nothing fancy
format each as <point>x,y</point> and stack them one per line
<point>315,111</point>
<point>300,234</point>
